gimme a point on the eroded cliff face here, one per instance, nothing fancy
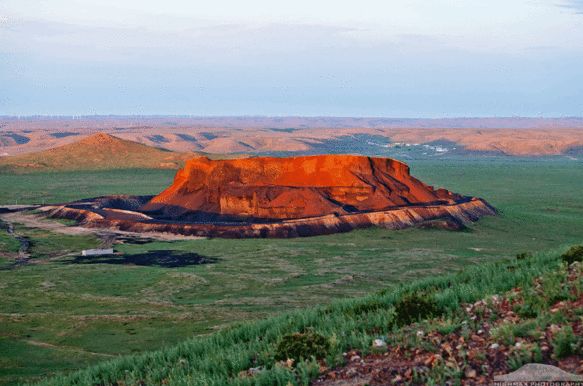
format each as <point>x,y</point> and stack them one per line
<point>292,188</point>
<point>451,216</point>
<point>282,197</point>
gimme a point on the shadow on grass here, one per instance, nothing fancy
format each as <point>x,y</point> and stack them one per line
<point>161,258</point>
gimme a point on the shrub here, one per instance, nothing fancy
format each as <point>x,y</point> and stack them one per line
<point>368,306</point>
<point>575,253</point>
<point>523,255</point>
<point>504,334</point>
<point>565,343</point>
<point>527,355</point>
<point>412,308</point>
<point>302,345</point>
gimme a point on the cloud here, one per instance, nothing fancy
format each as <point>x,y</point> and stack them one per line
<point>176,64</point>
<point>575,5</point>
<point>205,43</point>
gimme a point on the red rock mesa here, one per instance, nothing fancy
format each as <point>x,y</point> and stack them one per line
<point>293,188</point>
<point>284,197</point>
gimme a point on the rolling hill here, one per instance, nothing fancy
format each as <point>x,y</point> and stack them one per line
<point>96,152</point>
<point>397,138</point>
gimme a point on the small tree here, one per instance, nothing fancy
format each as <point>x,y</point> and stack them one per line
<point>575,253</point>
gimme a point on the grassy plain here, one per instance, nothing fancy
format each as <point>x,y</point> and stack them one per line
<point>55,187</point>
<point>225,358</point>
<point>65,314</point>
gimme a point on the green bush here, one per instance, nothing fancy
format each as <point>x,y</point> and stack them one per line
<point>413,308</point>
<point>575,253</point>
<point>523,255</point>
<point>565,343</point>
<point>521,357</point>
<point>302,345</point>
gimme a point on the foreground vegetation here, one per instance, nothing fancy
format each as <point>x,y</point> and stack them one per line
<point>227,356</point>
<point>62,313</point>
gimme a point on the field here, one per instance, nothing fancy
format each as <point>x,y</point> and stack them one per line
<point>38,188</point>
<point>484,321</point>
<point>64,312</point>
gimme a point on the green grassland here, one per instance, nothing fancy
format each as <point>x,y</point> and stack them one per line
<point>55,187</point>
<point>8,244</point>
<point>64,314</point>
<point>224,357</point>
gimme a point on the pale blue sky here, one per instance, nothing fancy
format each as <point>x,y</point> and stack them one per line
<point>409,58</point>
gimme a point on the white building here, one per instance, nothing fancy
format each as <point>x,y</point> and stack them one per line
<point>97,252</point>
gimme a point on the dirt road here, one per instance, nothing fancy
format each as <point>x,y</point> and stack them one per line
<point>39,221</point>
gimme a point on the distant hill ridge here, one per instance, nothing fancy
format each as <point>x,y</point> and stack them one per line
<point>96,152</point>
<point>511,137</point>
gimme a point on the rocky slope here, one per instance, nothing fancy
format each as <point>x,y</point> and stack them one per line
<point>498,335</point>
<point>285,197</point>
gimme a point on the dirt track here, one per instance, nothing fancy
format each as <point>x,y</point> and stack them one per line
<point>31,220</point>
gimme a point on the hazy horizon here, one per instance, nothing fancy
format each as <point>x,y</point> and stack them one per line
<point>251,116</point>
<point>331,59</point>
